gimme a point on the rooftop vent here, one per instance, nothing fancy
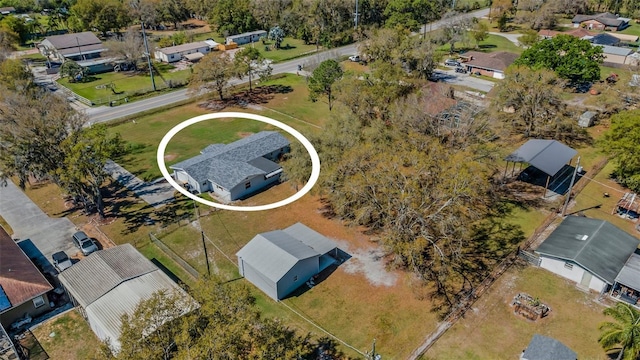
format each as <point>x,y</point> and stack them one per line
<point>582,237</point>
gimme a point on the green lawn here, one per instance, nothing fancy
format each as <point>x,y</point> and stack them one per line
<point>296,49</point>
<point>126,83</point>
<point>633,29</point>
<point>291,107</point>
<point>67,336</point>
<point>490,44</point>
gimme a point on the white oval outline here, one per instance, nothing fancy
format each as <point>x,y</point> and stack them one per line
<point>315,160</point>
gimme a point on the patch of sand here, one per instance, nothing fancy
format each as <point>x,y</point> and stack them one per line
<point>169,157</point>
<point>370,263</point>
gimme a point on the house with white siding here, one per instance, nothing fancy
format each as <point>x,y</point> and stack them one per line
<point>589,252</point>
<point>246,38</point>
<point>192,51</point>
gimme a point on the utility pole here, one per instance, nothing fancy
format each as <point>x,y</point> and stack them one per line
<point>146,48</point>
<point>373,355</point>
<point>356,16</point>
<point>204,243</point>
<point>573,179</point>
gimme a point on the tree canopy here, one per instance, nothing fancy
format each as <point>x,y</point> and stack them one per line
<point>250,62</point>
<point>212,71</point>
<point>322,80</point>
<point>623,334</point>
<point>571,58</point>
<point>621,143</point>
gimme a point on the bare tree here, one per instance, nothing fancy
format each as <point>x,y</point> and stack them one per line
<point>129,49</point>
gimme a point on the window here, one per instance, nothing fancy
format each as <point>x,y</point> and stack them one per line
<point>39,301</point>
<point>247,185</point>
<point>568,266</point>
<point>295,278</point>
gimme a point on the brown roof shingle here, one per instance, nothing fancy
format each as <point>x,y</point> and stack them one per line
<point>499,60</point>
<point>21,281</point>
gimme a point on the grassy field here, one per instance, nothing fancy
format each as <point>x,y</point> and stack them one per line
<point>633,29</point>
<point>67,336</point>
<point>490,44</point>
<point>490,330</point>
<point>145,134</point>
<point>296,48</point>
<point>124,83</point>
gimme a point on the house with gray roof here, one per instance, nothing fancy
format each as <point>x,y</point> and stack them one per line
<point>601,21</point>
<point>616,54</point>
<point>590,252</point>
<point>84,48</point>
<point>112,282</point>
<point>236,170</point>
<point>278,262</point>
<point>545,348</point>
<point>190,51</point>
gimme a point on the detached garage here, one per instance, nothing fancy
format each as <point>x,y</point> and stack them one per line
<point>280,261</point>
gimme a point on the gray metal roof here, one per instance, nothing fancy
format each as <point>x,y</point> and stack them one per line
<point>107,311</point>
<point>595,245</point>
<point>548,156</point>
<point>72,40</point>
<point>257,32</point>
<point>615,50</point>
<point>265,165</point>
<point>604,39</point>
<point>228,165</point>
<point>314,239</point>
<point>546,348</point>
<point>630,273</point>
<point>274,253</point>
<point>184,47</point>
<point>588,115</point>
<point>100,272</point>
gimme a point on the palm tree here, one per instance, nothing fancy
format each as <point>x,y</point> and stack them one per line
<point>623,335</point>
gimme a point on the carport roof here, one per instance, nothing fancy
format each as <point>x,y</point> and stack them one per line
<point>630,273</point>
<point>596,245</point>
<point>548,156</point>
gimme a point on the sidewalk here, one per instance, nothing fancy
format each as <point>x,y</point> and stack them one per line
<point>155,193</point>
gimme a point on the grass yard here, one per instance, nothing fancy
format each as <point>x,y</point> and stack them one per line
<point>633,29</point>
<point>72,338</point>
<point>126,83</point>
<point>490,330</point>
<point>290,107</point>
<point>490,44</point>
<point>296,48</point>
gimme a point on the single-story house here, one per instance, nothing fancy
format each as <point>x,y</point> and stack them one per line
<point>616,55</point>
<point>111,283</point>
<point>246,38</point>
<point>545,348</point>
<point>603,39</point>
<point>235,170</point>
<point>488,64</point>
<point>85,48</point>
<point>625,37</point>
<point>23,288</point>
<point>7,10</point>
<point>590,252</point>
<point>278,262</point>
<point>579,33</point>
<point>602,21</point>
<point>191,51</point>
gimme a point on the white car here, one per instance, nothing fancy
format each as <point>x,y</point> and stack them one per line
<point>354,58</point>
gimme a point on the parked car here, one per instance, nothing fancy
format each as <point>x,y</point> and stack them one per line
<point>61,261</point>
<point>84,243</point>
<point>451,62</point>
<point>354,58</point>
<point>461,69</point>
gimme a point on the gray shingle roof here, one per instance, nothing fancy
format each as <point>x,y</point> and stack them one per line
<point>615,50</point>
<point>230,164</point>
<point>595,245</point>
<point>548,156</point>
<point>98,273</point>
<point>604,39</point>
<point>606,18</point>
<point>274,253</point>
<point>546,348</point>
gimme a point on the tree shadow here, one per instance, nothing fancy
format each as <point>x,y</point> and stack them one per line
<point>259,95</point>
<point>487,46</point>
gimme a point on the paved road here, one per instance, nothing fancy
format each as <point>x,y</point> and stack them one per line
<point>33,227</point>
<point>105,113</point>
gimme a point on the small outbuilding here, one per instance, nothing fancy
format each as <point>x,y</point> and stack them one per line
<point>546,348</point>
<point>191,51</point>
<point>112,282</point>
<point>590,252</point>
<point>278,262</point>
<point>587,119</point>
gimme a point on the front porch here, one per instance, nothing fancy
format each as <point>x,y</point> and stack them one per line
<point>627,283</point>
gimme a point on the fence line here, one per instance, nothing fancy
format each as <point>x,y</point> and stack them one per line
<point>188,268</point>
<point>68,92</point>
<point>468,301</point>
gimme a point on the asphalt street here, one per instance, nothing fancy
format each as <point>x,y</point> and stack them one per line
<point>106,113</point>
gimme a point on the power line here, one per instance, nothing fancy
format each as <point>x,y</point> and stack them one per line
<point>605,185</point>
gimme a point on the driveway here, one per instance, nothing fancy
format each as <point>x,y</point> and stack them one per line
<point>454,78</point>
<point>511,37</point>
<point>40,235</point>
<point>155,193</point>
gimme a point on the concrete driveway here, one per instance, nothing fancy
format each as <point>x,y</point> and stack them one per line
<point>39,235</point>
<point>454,78</point>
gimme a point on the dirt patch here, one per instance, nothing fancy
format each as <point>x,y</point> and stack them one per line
<point>244,134</point>
<point>67,336</point>
<point>371,264</point>
<point>170,157</point>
